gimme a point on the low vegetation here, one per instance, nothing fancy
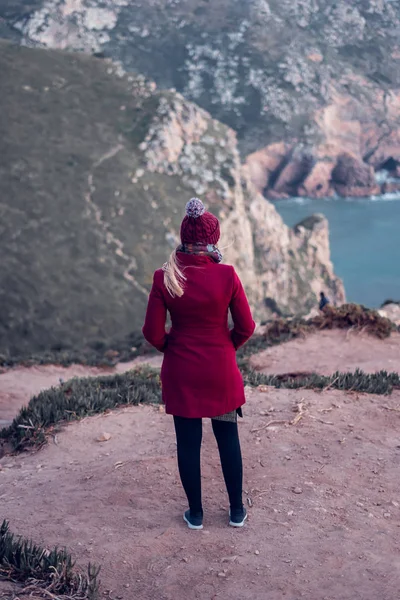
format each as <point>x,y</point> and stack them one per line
<point>375,383</point>
<point>97,353</point>
<point>278,331</point>
<point>82,397</point>
<point>52,574</point>
<point>44,573</point>
<point>348,316</point>
<point>79,398</point>
<point>354,316</point>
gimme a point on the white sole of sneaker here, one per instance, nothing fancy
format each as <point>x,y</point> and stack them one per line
<point>241,524</point>
<point>189,524</point>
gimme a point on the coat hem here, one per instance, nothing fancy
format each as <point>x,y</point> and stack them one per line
<point>175,413</point>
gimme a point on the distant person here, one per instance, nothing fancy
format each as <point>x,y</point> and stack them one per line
<point>200,376</point>
<point>323,301</point>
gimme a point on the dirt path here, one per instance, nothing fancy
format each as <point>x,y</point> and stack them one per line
<point>328,351</point>
<point>18,385</point>
<point>325,353</point>
<point>324,521</point>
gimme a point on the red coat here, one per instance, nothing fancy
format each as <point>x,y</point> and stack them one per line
<point>200,376</point>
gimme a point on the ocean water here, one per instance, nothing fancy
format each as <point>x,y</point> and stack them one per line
<point>365,242</point>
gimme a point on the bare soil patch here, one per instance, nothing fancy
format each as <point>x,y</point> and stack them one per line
<point>19,384</point>
<point>326,352</point>
<point>324,520</point>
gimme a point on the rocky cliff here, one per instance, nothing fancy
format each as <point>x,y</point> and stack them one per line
<point>349,141</point>
<point>312,84</point>
<point>95,170</point>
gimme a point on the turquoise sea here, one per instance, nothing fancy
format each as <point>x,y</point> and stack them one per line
<point>365,242</point>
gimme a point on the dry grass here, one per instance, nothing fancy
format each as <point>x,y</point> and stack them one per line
<point>354,316</point>
<point>347,316</point>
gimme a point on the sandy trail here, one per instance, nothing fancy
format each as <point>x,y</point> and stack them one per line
<point>120,504</point>
<point>329,351</point>
<point>19,384</point>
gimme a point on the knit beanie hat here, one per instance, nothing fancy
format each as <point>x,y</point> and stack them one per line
<point>199,226</point>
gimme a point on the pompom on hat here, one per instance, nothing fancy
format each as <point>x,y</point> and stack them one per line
<point>199,225</point>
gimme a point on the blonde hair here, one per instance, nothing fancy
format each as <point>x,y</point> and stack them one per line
<point>174,278</point>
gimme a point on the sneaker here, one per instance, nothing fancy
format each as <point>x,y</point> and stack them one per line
<point>237,517</point>
<point>193,522</point>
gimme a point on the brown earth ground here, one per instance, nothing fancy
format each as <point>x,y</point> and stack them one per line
<point>326,352</point>
<point>322,493</point>
<point>19,384</point>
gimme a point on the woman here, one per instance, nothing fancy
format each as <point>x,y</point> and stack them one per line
<point>200,377</point>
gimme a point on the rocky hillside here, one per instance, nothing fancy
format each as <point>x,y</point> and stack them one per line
<point>95,169</point>
<point>313,84</point>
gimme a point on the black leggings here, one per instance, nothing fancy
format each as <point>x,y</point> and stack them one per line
<point>188,436</point>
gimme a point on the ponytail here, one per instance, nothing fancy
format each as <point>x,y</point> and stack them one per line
<point>174,278</point>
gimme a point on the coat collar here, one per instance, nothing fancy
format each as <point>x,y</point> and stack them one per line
<point>194,259</point>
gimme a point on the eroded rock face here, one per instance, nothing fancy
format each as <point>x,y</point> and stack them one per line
<point>317,78</point>
<point>348,142</point>
<point>298,260</point>
<point>282,269</point>
<point>352,174</point>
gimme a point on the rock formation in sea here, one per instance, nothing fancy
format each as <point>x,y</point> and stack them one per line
<point>96,170</point>
<point>310,86</point>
